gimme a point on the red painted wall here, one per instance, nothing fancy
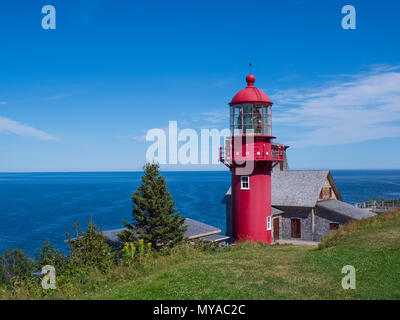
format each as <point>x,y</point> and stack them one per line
<point>250,208</point>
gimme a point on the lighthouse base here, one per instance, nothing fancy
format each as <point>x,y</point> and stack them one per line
<point>251,206</point>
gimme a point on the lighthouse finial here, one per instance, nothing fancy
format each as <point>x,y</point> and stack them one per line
<point>250,65</point>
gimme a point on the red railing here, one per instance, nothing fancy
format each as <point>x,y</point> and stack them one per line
<point>278,153</point>
<point>258,151</point>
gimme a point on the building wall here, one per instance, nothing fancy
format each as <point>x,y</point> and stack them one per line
<point>304,214</point>
<point>229,220</point>
<point>327,192</point>
<point>323,218</point>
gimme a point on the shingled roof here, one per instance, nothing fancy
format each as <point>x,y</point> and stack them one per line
<point>293,188</point>
<point>296,188</point>
<point>195,229</point>
<point>345,209</point>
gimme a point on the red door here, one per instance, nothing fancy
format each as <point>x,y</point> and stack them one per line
<point>296,228</point>
<point>276,229</point>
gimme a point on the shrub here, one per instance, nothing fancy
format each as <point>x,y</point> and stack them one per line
<point>14,264</point>
<point>47,255</point>
<point>89,250</point>
<point>131,253</point>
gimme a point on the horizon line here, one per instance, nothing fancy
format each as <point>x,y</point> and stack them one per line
<point>127,171</point>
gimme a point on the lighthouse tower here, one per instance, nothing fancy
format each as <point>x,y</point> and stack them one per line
<point>250,156</point>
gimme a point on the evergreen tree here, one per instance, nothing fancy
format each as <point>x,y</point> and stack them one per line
<point>155,218</point>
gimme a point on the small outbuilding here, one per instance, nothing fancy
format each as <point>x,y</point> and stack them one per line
<point>195,230</point>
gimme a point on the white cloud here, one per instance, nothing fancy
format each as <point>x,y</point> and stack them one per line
<point>3,102</point>
<point>363,108</point>
<point>216,116</point>
<point>143,136</point>
<point>9,126</point>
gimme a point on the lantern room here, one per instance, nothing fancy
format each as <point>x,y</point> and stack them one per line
<point>250,112</point>
<point>251,118</point>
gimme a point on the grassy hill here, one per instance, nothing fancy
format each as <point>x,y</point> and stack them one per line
<point>258,271</point>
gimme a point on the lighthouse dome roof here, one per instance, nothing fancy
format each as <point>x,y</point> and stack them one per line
<point>250,93</point>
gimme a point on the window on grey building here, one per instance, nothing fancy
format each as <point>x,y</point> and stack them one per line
<point>333,226</point>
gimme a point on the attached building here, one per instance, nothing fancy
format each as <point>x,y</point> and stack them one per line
<point>306,205</point>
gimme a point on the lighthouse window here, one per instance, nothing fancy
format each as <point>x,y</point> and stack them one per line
<point>268,223</point>
<point>248,119</point>
<point>248,108</point>
<point>245,183</point>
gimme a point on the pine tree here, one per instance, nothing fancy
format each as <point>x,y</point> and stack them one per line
<point>155,218</point>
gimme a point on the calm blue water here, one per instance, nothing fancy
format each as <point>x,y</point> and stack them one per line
<point>41,206</point>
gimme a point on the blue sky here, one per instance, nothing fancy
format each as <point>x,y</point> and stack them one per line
<point>83,96</point>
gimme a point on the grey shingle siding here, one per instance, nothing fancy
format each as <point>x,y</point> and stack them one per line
<point>304,214</point>
<point>323,219</point>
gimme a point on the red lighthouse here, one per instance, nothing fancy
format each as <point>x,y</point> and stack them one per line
<point>250,156</point>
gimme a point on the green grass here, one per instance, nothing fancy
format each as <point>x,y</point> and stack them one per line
<point>258,271</point>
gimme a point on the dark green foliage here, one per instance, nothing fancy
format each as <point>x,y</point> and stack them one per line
<point>47,255</point>
<point>14,264</point>
<point>155,218</point>
<point>89,250</point>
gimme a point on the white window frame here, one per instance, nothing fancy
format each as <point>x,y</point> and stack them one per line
<point>242,183</point>
<point>269,227</point>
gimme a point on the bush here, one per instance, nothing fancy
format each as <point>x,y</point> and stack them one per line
<point>133,253</point>
<point>89,250</point>
<point>47,255</point>
<point>14,264</point>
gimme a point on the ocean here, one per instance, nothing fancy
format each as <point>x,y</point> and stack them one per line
<point>35,207</point>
